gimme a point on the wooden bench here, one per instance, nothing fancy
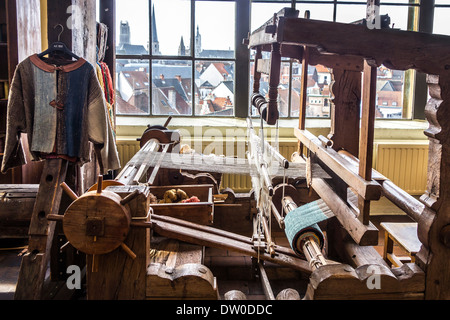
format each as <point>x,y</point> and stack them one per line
<point>404,235</point>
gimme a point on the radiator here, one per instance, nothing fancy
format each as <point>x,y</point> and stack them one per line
<point>127,149</point>
<point>404,163</point>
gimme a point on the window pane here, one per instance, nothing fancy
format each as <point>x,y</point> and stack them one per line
<point>171,87</point>
<point>171,27</point>
<point>132,27</point>
<point>132,88</point>
<point>321,11</point>
<point>215,29</point>
<point>398,15</point>
<point>214,88</point>
<point>350,13</point>
<point>389,93</point>
<point>262,12</point>
<point>283,89</point>
<point>441,25</point>
<point>318,97</point>
<point>394,1</point>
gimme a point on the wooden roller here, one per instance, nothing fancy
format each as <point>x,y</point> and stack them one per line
<point>309,245</point>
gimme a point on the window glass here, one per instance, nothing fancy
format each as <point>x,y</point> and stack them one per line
<point>395,1</point>
<point>132,87</point>
<point>132,29</point>
<point>441,25</point>
<point>214,88</point>
<point>321,11</point>
<point>171,27</point>
<point>215,29</point>
<point>318,95</point>
<point>171,87</point>
<point>350,13</point>
<point>398,15</point>
<point>262,12</point>
<point>390,88</point>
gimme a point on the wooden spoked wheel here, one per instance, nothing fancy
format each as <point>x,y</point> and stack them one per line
<point>96,223</point>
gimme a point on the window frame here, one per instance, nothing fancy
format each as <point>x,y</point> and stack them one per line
<point>239,64</point>
<point>418,90</point>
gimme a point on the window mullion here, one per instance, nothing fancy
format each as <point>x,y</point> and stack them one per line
<point>192,55</point>
<point>150,59</point>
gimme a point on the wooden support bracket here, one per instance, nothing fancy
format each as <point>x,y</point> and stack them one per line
<point>34,262</point>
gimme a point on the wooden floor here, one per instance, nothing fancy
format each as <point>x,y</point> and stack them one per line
<point>9,266</point>
<point>233,271</point>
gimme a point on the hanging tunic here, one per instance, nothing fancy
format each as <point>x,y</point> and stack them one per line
<point>61,109</point>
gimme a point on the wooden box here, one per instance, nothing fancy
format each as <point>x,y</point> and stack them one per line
<point>16,208</point>
<point>198,212</point>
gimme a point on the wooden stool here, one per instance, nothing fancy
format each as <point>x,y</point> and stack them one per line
<point>403,234</point>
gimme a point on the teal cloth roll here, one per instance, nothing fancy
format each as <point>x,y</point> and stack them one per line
<point>301,223</point>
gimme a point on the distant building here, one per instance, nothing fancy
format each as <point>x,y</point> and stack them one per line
<point>217,72</point>
<point>155,41</point>
<point>133,92</point>
<point>169,84</point>
<point>125,47</point>
<point>200,52</point>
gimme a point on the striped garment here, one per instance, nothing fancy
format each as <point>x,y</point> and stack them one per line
<point>61,109</point>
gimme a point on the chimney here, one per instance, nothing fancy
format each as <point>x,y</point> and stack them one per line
<point>172,98</point>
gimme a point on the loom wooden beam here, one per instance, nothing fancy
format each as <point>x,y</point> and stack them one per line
<point>267,33</point>
<point>216,238</point>
<point>34,262</point>
<point>345,109</point>
<point>369,190</point>
<point>340,281</point>
<point>436,216</point>
<point>364,235</point>
<point>426,53</point>
<point>367,134</point>
<point>303,95</point>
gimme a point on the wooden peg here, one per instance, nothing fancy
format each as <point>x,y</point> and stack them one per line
<point>99,184</point>
<point>72,195</point>
<point>128,251</point>
<point>94,263</point>
<point>130,197</point>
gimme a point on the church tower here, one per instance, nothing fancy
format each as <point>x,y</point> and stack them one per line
<point>124,33</point>
<point>198,42</point>
<point>155,42</point>
<point>182,48</point>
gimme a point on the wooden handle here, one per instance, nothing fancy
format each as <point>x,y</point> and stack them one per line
<point>128,251</point>
<point>99,184</point>
<point>55,217</point>
<point>69,191</point>
<point>130,197</point>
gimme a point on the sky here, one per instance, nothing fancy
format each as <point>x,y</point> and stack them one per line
<point>216,23</point>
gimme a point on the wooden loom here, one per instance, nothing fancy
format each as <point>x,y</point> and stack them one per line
<point>119,221</point>
<point>347,155</point>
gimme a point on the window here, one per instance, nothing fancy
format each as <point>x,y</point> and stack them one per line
<point>188,61</point>
<point>179,62</point>
<point>401,13</point>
